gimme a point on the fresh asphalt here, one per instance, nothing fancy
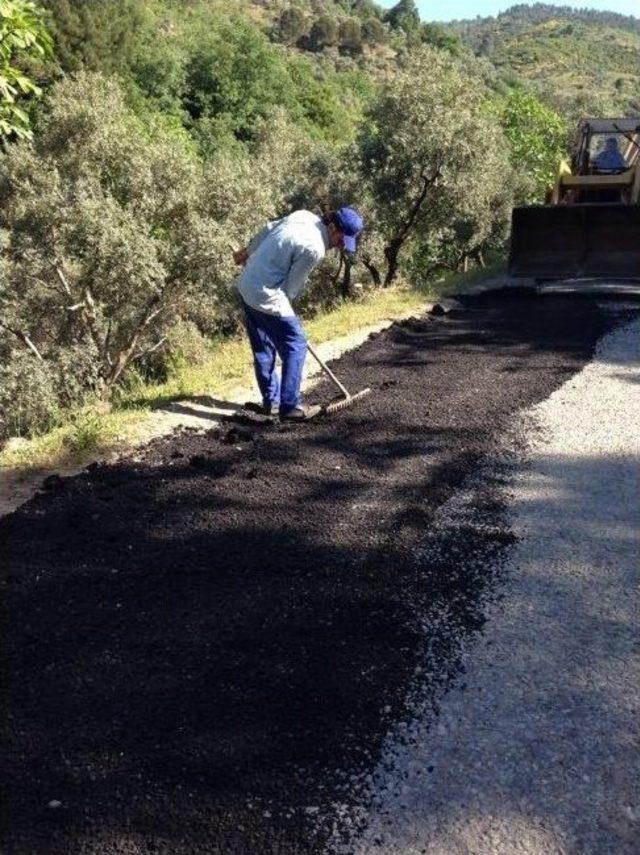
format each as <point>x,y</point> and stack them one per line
<point>204,649</point>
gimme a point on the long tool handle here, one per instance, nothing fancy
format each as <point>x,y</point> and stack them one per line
<point>328,371</point>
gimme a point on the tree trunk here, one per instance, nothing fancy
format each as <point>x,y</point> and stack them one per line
<point>126,354</point>
<point>373,270</point>
<point>479,258</point>
<point>103,389</point>
<point>391,252</point>
<point>345,285</point>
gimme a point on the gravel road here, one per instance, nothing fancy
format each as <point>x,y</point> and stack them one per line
<point>207,645</point>
<point>537,750</point>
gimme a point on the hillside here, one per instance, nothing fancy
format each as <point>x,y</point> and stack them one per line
<point>579,60</point>
<point>584,57</point>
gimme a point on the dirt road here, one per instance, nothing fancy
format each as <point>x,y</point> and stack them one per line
<point>205,649</point>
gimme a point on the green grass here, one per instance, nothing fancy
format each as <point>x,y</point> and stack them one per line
<point>80,440</point>
<point>93,432</point>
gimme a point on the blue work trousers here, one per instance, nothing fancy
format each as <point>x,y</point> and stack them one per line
<point>270,335</point>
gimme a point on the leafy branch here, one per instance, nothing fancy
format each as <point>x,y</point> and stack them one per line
<point>22,35</point>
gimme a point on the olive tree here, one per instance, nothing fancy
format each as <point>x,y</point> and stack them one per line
<point>111,232</point>
<point>285,170</point>
<point>105,235</point>
<point>430,155</point>
<point>470,220</point>
<point>267,173</point>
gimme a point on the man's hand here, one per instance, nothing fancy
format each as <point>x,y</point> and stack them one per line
<point>240,256</point>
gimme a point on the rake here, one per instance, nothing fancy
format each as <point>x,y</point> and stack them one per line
<point>347,398</point>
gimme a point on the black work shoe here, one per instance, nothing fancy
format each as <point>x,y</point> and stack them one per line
<point>262,409</point>
<point>301,414</point>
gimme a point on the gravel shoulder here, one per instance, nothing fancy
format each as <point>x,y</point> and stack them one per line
<point>537,748</point>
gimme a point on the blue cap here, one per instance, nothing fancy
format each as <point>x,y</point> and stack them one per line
<point>351,224</point>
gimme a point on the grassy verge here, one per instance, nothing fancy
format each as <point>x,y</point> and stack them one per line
<point>91,433</point>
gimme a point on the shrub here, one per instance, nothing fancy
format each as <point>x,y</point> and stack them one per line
<point>235,77</point>
<point>158,69</point>
<point>350,35</point>
<point>372,31</point>
<point>437,36</point>
<point>100,35</point>
<point>292,24</point>
<point>324,33</point>
<point>106,236</point>
<point>182,345</point>
<point>323,112</point>
<point>28,396</point>
<point>87,432</point>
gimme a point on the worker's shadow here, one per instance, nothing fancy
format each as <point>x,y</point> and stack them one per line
<point>203,407</point>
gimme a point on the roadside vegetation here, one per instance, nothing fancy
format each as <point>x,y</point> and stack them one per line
<point>214,367</point>
<point>140,140</point>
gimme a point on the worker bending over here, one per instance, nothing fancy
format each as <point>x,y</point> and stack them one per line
<point>277,263</point>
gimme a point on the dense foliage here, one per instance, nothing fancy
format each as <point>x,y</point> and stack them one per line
<point>537,137</point>
<point>171,130</point>
<point>520,16</point>
<point>95,35</point>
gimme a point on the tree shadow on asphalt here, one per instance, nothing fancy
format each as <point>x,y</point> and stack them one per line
<point>179,688</point>
<point>215,407</point>
<point>185,674</point>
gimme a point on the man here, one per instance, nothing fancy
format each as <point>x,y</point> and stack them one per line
<point>277,263</point>
<point>610,158</point>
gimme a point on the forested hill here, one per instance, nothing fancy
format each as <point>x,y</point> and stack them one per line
<point>582,57</point>
<point>521,16</point>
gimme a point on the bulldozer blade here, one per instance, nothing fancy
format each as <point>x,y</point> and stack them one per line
<point>576,241</point>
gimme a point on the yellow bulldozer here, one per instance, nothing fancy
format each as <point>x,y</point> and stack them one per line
<point>589,226</point>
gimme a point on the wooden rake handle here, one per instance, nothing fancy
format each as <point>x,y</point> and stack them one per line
<point>328,371</point>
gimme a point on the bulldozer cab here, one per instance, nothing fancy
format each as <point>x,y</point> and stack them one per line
<point>590,224</point>
<point>607,146</point>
